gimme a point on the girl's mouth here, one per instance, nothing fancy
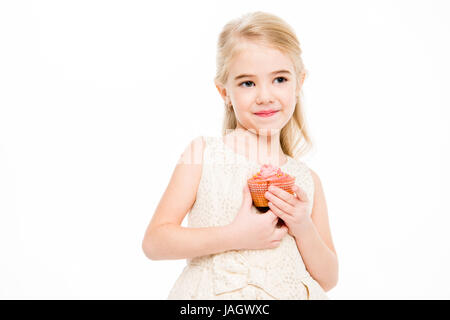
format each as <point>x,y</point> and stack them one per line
<point>265,114</point>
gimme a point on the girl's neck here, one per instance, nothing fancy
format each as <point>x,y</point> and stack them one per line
<point>260,148</point>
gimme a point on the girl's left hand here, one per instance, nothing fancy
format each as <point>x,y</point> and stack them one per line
<point>291,208</point>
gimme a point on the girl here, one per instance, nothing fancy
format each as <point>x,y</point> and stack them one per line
<point>233,251</point>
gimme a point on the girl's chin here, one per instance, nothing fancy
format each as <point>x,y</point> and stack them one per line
<point>266,131</point>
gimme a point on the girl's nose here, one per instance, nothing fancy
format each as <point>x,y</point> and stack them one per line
<point>264,96</point>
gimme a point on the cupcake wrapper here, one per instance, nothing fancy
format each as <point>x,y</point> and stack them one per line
<point>258,189</point>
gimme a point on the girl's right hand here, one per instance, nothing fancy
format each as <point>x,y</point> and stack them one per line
<point>254,230</point>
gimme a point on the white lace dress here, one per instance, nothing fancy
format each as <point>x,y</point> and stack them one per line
<point>277,273</point>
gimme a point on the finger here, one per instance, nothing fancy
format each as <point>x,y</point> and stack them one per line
<point>246,189</point>
<point>281,232</point>
<point>277,211</point>
<point>247,197</point>
<point>273,217</point>
<point>279,203</point>
<point>285,229</point>
<point>282,194</point>
<point>300,194</point>
<point>275,222</point>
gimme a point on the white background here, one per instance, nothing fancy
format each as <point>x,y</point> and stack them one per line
<point>99,98</point>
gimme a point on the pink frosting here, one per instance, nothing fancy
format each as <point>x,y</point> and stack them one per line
<point>270,173</point>
<point>268,170</point>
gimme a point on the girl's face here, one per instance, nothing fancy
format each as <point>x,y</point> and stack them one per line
<point>261,79</point>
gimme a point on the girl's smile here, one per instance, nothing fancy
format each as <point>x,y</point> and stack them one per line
<point>267,114</point>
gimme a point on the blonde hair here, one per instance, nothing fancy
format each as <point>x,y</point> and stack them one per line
<point>272,31</point>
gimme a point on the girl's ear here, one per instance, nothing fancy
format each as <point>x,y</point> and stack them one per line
<point>300,83</point>
<point>222,91</point>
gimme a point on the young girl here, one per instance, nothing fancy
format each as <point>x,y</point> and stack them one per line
<point>232,250</point>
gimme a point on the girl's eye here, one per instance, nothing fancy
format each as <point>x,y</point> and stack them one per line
<point>247,82</point>
<point>282,78</point>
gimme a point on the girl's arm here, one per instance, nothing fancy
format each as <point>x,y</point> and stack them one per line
<point>165,238</point>
<point>315,243</point>
<point>171,241</point>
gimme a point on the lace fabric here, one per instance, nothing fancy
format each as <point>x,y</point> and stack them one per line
<point>277,273</point>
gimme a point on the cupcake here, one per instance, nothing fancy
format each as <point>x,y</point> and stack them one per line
<point>259,184</point>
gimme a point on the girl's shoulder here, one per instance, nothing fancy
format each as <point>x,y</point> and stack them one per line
<point>193,152</point>
<point>211,140</point>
